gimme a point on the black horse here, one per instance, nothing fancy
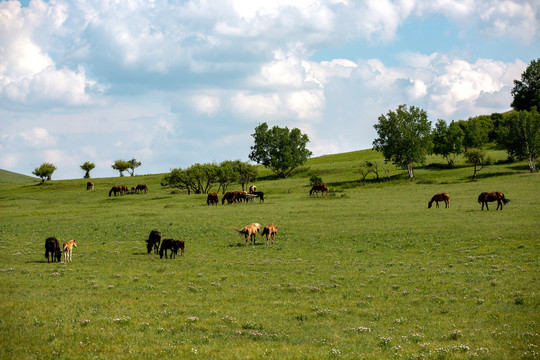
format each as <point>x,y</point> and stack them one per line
<point>153,241</point>
<point>173,246</point>
<point>52,247</point>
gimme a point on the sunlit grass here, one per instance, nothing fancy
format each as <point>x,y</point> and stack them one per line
<point>365,272</point>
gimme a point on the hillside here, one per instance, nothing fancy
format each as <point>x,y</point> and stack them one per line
<point>11,177</point>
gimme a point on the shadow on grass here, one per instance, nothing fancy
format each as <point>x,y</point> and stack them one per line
<point>244,245</point>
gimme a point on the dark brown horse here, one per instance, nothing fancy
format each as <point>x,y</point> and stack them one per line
<point>229,196</point>
<point>486,197</point>
<point>212,199</point>
<point>154,239</point>
<point>89,185</point>
<point>52,247</point>
<point>440,197</point>
<point>115,190</point>
<point>319,187</point>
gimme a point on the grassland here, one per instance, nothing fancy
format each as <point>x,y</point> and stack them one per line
<point>367,272</point>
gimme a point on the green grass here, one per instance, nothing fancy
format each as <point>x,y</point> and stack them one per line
<point>365,272</point>
<point>11,177</point>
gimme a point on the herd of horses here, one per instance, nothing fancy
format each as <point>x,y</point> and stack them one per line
<point>52,249</point>
<point>236,196</point>
<point>122,189</point>
<point>484,198</point>
<point>154,243</point>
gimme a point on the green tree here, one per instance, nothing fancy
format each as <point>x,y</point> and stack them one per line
<point>476,131</point>
<point>279,149</point>
<point>198,178</point>
<point>226,175</point>
<point>121,166</point>
<point>133,164</point>
<point>520,135</point>
<point>447,140</point>
<point>526,93</point>
<point>404,137</point>
<point>246,173</point>
<point>476,158</point>
<point>87,167</point>
<point>44,171</point>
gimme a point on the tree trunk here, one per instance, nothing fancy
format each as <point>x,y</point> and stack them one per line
<point>532,165</point>
<point>410,170</point>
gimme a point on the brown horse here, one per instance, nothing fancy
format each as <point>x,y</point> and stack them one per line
<point>52,247</point>
<point>212,199</point>
<point>68,248</point>
<point>486,197</point>
<point>250,232</point>
<point>89,185</point>
<point>440,197</point>
<point>230,196</point>
<point>154,239</point>
<point>319,187</point>
<point>269,231</point>
<point>140,188</point>
<point>115,190</point>
<point>252,189</point>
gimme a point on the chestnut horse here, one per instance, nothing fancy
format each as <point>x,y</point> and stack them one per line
<point>68,248</point>
<point>115,190</point>
<point>319,187</point>
<point>486,197</point>
<point>140,188</point>
<point>269,231</point>
<point>89,185</point>
<point>212,199</point>
<point>52,247</point>
<point>440,197</point>
<point>250,232</point>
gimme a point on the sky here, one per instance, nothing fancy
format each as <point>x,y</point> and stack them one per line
<point>174,83</point>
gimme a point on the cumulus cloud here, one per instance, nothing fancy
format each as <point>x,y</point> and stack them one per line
<point>38,137</point>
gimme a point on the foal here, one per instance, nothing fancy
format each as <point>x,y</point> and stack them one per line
<point>68,247</point>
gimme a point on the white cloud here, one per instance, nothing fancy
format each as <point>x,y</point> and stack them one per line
<point>206,104</point>
<point>39,137</point>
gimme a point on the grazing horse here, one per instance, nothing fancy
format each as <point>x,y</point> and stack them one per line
<point>212,199</point>
<point>115,190</point>
<point>269,231</point>
<point>230,196</point>
<point>252,189</point>
<point>319,187</point>
<point>154,239</point>
<point>141,187</point>
<point>89,186</point>
<point>250,232</point>
<point>260,195</point>
<point>173,245</point>
<point>52,247</point>
<point>440,197</point>
<point>68,248</point>
<point>486,197</point>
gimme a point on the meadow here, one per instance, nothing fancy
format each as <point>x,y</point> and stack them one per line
<point>365,272</point>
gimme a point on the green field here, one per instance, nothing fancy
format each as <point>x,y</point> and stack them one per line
<point>366,272</point>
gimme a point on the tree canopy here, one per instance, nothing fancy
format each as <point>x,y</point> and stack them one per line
<point>447,140</point>
<point>121,166</point>
<point>44,171</point>
<point>279,149</point>
<point>526,92</point>
<point>87,167</point>
<point>404,137</point>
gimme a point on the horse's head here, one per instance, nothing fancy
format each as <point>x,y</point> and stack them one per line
<point>429,204</point>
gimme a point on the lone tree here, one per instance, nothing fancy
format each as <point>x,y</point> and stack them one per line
<point>133,164</point>
<point>476,158</point>
<point>404,137</point>
<point>87,167</point>
<point>44,171</point>
<point>279,149</point>
<point>121,166</point>
<point>526,93</point>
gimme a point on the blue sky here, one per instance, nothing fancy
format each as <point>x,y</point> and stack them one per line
<point>173,83</point>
